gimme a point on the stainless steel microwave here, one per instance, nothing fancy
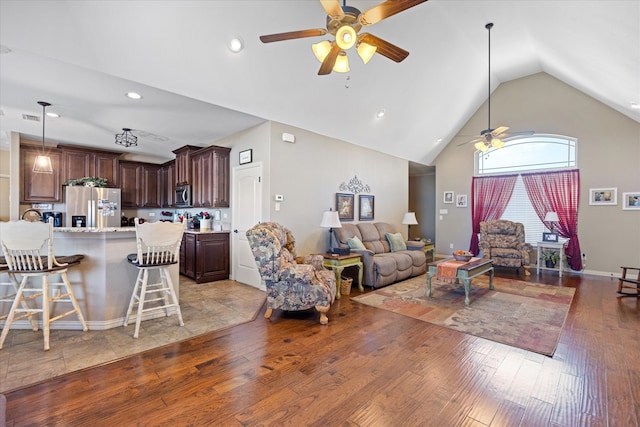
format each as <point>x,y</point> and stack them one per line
<point>183,196</point>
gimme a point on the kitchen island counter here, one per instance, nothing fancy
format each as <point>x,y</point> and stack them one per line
<point>104,280</point>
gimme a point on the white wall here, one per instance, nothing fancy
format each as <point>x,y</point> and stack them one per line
<point>608,156</point>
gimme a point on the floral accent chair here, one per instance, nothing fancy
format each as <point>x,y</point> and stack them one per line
<point>503,242</point>
<point>291,286</point>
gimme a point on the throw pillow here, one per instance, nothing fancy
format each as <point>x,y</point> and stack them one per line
<point>396,241</point>
<point>355,243</point>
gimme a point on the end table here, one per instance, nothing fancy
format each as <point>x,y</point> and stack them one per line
<point>337,263</point>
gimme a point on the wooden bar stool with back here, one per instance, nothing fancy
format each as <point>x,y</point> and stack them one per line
<point>23,244</point>
<point>158,245</point>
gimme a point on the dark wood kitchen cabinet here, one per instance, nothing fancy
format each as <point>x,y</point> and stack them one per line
<point>204,257</point>
<point>210,177</point>
<point>79,162</point>
<point>167,184</point>
<point>140,184</point>
<point>40,187</point>
<point>182,169</point>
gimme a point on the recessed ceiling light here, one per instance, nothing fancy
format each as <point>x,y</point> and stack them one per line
<point>635,105</point>
<point>380,114</point>
<point>439,140</point>
<point>235,44</point>
<point>133,95</point>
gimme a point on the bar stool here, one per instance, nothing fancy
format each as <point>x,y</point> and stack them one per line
<point>158,245</point>
<point>22,243</point>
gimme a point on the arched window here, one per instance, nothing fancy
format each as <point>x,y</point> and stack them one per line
<point>529,153</point>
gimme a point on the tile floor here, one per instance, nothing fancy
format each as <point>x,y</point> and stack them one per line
<point>205,307</point>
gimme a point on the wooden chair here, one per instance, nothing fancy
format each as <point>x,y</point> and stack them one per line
<point>158,245</point>
<point>22,243</point>
<point>634,283</point>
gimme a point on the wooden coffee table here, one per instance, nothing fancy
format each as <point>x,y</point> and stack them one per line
<point>466,273</point>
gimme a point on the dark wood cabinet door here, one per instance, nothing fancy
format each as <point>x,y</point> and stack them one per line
<point>212,261</point>
<point>40,187</point>
<point>150,197</point>
<point>106,166</point>
<point>207,179</point>
<point>190,255</point>
<point>183,250</point>
<point>221,175</point>
<point>183,174</point>
<point>196,178</point>
<point>167,184</point>
<point>130,179</point>
<point>76,164</point>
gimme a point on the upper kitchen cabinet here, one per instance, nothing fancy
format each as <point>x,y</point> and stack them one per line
<point>78,163</point>
<point>140,184</point>
<point>183,164</point>
<point>167,184</point>
<point>40,187</point>
<point>210,177</point>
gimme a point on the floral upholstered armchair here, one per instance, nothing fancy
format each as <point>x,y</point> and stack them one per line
<point>503,242</point>
<point>291,286</point>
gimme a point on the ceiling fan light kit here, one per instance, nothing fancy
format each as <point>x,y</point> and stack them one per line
<point>344,22</point>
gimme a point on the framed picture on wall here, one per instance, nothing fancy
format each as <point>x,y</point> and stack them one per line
<point>448,197</point>
<point>246,156</point>
<point>631,201</point>
<point>461,201</point>
<point>365,208</point>
<point>344,206</point>
<point>603,196</point>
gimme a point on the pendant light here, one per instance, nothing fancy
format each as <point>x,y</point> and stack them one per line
<point>126,138</point>
<point>42,163</point>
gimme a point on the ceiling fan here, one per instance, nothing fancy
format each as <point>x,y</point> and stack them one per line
<point>492,137</point>
<point>344,22</point>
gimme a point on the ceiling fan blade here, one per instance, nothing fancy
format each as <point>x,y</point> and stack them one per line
<point>500,130</point>
<point>333,8</point>
<point>329,60</point>
<point>293,35</point>
<point>523,133</point>
<point>385,10</point>
<point>470,142</point>
<point>385,48</point>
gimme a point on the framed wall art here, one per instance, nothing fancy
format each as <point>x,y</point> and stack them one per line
<point>246,156</point>
<point>365,208</point>
<point>461,201</point>
<point>448,197</point>
<point>631,201</point>
<point>603,196</point>
<point>344,206</point>
<point>550,237</point>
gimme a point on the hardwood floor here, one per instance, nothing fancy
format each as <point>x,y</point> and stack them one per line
<point>367,367</point>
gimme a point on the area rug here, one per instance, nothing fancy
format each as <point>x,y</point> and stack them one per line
<point>520,314</point>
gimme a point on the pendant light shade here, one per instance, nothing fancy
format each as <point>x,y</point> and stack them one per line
<point>342,63</point>
<point>366,51</point>
<point>321,50</point>
<point>42,164</point>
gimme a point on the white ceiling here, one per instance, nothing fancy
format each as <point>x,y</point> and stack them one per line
<point>83,56</point>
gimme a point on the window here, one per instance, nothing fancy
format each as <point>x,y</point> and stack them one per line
<point>536,152</point>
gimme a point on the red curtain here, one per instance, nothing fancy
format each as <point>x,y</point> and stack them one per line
<point>558,192</point>
<point>489,198</point>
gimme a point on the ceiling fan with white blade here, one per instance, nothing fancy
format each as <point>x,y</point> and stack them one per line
<point>492,137</point>
<point>344,22</point>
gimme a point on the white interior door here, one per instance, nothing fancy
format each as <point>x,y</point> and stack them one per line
<point>247,208</point>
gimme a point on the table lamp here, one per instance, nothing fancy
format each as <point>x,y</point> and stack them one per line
<point>409,219</point>
<point>330,220</point>
<point>551,218</point>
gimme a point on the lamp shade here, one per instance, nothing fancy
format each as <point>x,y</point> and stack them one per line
<point>330,219</point>
<point>410,218</point>
<point>551,217</point>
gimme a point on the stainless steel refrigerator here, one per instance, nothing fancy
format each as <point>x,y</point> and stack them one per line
<point>92,207</point>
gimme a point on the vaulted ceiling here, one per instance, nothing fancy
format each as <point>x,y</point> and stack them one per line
<point>83,56</point>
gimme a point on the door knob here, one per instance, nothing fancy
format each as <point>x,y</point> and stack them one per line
<point>235,231</point>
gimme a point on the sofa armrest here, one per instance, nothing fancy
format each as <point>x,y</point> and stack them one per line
<point>412,245</point>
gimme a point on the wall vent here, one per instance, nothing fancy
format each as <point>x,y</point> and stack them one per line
<point>31,117</point>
